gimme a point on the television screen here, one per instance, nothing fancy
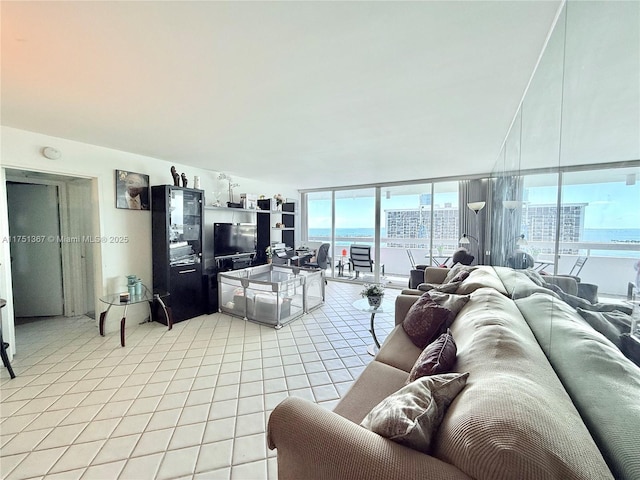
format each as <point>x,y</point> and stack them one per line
<point>233,238</point>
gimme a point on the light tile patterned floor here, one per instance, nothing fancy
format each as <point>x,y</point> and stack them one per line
<point>191,403</point>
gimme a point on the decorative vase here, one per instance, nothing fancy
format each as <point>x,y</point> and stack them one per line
<point>269,260</point>
<point>374,300</point>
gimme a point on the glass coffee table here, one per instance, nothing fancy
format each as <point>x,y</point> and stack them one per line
<point>387,306</point>
<point>151,298</point>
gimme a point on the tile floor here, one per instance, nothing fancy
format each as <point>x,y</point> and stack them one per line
<point>191,403</point>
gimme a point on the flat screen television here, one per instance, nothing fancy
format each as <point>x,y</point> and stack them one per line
<point>233,238</point>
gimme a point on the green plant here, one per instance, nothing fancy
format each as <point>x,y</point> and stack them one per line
<point>268,252</point>
<point>372,290</point>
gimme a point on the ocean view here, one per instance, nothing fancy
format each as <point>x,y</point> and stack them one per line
<point>600,235</point>
<point>596,235</point>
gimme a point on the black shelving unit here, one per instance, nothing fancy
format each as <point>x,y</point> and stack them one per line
<point>177,239</point>
<point>267,218</point>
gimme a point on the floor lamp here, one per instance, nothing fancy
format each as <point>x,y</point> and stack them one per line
<point>476,207</point>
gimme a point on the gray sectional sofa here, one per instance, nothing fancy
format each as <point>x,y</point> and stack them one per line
<point>547,397</point>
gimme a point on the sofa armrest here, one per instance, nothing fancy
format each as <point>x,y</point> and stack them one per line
<point>435,274</point>
<point>566,283</point>
<point>315,443</point>
<point>411,291</point>
<point>403,304</point>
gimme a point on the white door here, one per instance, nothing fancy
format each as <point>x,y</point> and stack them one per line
<point>36,259</point>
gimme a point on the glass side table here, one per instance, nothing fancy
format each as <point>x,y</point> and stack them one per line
<point>151,298</point>
<point>387,306</point>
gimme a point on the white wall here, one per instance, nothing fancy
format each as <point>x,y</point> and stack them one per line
<point>112,261</point>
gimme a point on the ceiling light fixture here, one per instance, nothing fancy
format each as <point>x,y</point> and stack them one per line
<point>51,153</point>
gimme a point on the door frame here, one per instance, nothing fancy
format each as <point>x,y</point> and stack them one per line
<point>71,278</point>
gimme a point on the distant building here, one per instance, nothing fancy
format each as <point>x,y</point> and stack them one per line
<point>413,225</point>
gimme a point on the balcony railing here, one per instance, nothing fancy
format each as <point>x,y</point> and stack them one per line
<point>611,266</point>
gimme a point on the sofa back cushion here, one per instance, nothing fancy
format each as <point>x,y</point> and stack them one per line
<point>481,277</point>
<point>514,419</point>
<point>604,385</point>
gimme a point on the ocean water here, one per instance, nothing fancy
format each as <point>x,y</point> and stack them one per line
<point>590,234</point>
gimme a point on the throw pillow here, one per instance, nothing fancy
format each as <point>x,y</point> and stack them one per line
<point>425,320</point>
<point>453,271</point>
<point>425,287</point>
<point>451,287</point>
<point>412,415</point>
<point>438,357</point>
<point>534,276</point>
<point>451,301</point>
<point>460,276</point>
<point>610,324</point>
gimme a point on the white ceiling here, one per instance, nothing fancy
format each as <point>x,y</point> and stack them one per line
<point>312,94</point>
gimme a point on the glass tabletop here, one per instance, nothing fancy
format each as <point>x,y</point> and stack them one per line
<point>363,305</point>
<point>146,296</point>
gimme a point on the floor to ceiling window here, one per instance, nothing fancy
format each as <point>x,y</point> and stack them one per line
<point>415,223</point>
<point>600,220</point>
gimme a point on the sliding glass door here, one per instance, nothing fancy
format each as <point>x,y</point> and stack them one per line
<point>403,225</point>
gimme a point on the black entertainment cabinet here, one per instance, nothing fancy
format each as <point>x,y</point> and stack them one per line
<point>265,220</point>
<point>177,239</point>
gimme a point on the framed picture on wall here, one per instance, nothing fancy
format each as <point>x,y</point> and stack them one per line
<point>132,190</point>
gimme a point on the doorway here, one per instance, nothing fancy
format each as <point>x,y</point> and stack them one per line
<point>49,217</point>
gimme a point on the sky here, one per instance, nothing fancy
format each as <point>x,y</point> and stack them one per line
<point>610,206</point>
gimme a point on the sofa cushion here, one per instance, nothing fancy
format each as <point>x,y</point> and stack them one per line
<point>412,415</point>
<point>376,382</point>
<point>514,419</point>
<point>425,320</point>
<point>438,357</point>
<point>481,277</point>
<point>398,350</point>
<point>603,384</point>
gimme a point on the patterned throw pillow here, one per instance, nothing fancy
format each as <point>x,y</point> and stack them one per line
<point>425,320</point>
<point>438,357</point>
<point>412,415</point>
<point>451,301</point>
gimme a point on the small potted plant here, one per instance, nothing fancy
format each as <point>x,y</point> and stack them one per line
<point>269,253</point>
<point>279,201</point>
<point>374,293</point>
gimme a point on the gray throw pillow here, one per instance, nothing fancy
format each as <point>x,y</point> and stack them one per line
<point>610,324</point>
<point>450,301</point>
<point>411,416</point>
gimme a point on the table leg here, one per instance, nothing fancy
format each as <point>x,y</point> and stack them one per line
<point>167,313</point>
<point>122,322</point>
<point>373,349</point>
<point>122,330</point>
<point>103,317</point>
